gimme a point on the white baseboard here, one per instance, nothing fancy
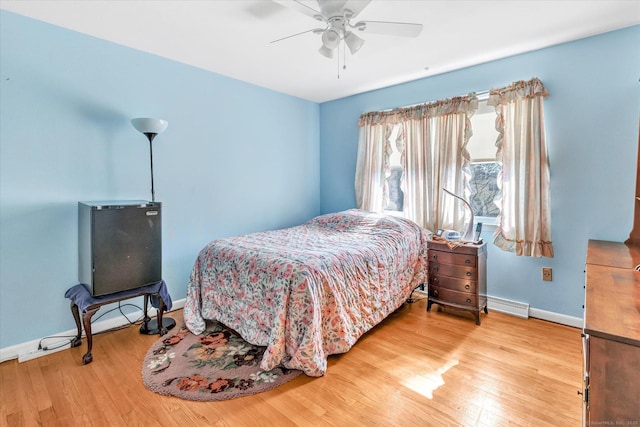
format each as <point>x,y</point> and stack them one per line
<point>563,319</point>
<point>520,309</point>
<point>29,350</point>
<point>514,308</point>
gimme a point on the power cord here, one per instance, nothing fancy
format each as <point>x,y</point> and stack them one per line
<point>121,312</point>
<point>117,328</point>
<point>46,348</point>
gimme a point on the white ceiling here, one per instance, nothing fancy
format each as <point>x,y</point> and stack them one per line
<point>233,37</point>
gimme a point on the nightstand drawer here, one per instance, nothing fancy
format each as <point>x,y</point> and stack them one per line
<point>450,258</point>
<point>461,285</point>
<point>458,271</point>
<point>453,297</point>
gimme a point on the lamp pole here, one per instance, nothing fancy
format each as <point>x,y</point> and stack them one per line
<point>151,135</point>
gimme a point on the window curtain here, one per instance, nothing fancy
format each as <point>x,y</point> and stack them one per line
<point>524,222</point>
<point>432,141</point>
<point>372,165</point>
<point>435,156</point>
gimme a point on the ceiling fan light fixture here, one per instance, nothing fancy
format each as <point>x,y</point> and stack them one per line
<point>354,43</point>
<point>324,51</point>
<point>330,38</point>
<point>337,16</point>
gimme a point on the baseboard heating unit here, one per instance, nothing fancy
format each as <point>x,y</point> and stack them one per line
<point>513,308</point>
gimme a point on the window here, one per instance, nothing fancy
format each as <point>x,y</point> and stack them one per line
<point>433,141</point>
<point>484,168</point>
<point>394,179</point>
<point>483,182</point>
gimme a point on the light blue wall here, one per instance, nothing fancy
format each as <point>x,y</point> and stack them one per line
<point>235,159</point>
<point>592,135</point>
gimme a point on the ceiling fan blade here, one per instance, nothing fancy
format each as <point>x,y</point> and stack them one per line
<point>356,6</point>
<point>301,7</point>
<point>315,30</point>
<point>404,29</point>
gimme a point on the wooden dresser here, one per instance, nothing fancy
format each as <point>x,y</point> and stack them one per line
<point>458,277</point>
<point>611,335</point>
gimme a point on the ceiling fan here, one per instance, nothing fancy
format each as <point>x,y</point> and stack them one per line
<point>337,16</point>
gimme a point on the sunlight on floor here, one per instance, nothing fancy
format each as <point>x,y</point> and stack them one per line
<point>427,383</point>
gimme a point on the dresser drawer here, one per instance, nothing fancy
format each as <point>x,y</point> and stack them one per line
<point>461,285</point>
<point>450,258</point>
<point>453,297</point>
<point>451,270</point>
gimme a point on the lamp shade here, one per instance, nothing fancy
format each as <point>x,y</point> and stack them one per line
<point>326,51</point>
<point>148,125</point>
<point>330,38</point>
<point>353,42</point>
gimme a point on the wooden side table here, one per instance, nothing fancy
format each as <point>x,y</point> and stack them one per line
<point>83,301</point>
<point>458,277</point>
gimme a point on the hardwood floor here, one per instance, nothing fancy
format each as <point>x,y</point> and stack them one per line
<point>414,369</point>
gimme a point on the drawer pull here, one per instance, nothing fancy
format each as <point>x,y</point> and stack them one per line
<point>467,261</point>
<point>435,256</point>
<point>467,287</point>
<point>435,269</point>
<point>435,293</point>
<point>468,273</point>
<point>468,300</point>
<point>436,280</point>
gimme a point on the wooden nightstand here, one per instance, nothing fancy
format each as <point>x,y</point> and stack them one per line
<point>458,277</point>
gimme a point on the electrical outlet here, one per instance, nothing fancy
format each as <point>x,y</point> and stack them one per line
<point>547,274</point>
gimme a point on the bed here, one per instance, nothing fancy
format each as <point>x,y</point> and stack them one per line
<point>308,291</point>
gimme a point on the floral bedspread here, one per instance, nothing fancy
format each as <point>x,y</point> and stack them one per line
<point>309,291</point>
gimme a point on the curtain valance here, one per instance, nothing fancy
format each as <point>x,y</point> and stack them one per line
<point>517,90</point>
<point>460,104</point>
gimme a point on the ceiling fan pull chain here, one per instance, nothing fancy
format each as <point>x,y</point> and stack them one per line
<point>344,56</point>
<point>338,58</point>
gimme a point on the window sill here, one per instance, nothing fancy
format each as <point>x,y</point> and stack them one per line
<point>488,223</point>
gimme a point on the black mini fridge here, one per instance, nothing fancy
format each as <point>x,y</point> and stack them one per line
<point>119,245</point>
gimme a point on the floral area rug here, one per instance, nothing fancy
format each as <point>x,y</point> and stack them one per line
<point>216,365</point>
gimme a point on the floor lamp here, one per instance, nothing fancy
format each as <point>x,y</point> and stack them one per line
<point>150,128</point>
